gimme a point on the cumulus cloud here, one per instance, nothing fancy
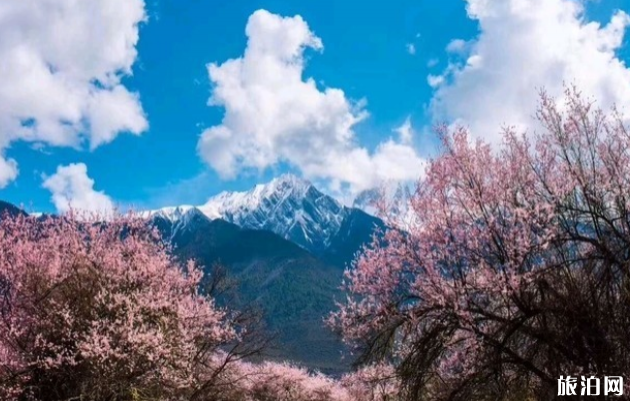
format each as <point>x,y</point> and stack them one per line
<point>72,188</point>
<point>61,64</point>
<point>525,46</point>
<point>411,48</point>
<point>274,115</point>
<point>8,171</point>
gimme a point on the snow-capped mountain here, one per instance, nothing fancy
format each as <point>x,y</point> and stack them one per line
<point>288,206</point>
<point>172,213</point>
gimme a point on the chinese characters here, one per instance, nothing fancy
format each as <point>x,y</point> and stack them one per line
<point>612,385</point>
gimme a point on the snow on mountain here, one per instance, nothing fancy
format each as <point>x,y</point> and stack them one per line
<point>172,214</point>
<point>394,196</point>
<point>288,206</point>
<point>233,202</point>
<point>297,211</point>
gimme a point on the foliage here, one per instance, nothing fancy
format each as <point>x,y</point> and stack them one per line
<point>284,382</point>
<point>514,270</point>
<point>100,311</point>
<point>376,382</point>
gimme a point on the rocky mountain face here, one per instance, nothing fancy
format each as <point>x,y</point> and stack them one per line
<point>287,206</point>
<point>293,209</point>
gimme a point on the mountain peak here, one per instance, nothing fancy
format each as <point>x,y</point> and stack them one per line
<point>290,181</point>
<point>173,213</point>
<point>280,188</point>
<point>283,186</point>
<point>288,205</point>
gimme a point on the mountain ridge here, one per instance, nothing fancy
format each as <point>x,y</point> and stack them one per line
<point>288,206</point>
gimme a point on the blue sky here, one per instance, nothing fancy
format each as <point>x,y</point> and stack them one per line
<point>385,54</point>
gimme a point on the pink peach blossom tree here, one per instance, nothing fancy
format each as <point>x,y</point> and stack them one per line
<point>276,381</point>
<point>93,310</point>
<point>514,269</point>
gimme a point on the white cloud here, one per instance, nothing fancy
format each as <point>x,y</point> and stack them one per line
<point>525,46</point>
<point>274,115</point>
<point>411,48</point>
<point>405,131</point>
<point>435,80</point>
<point>457,46</point>
<point>71,187</point>
<point>61,64</point>
<point>8,171</point>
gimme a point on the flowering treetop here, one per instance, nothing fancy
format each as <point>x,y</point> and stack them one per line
<point>102,303</point>
<point>501,243</point>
